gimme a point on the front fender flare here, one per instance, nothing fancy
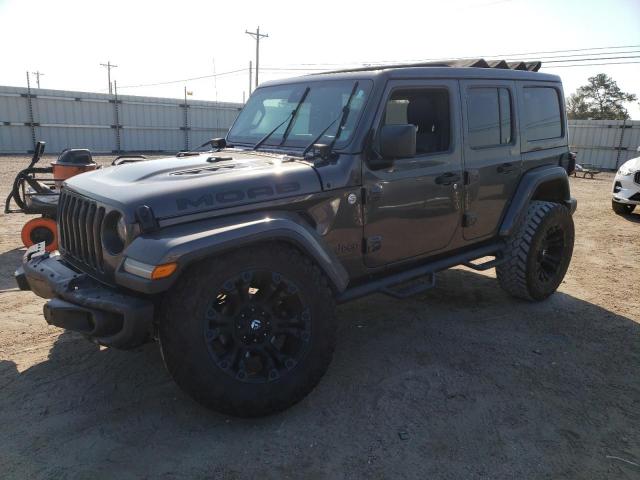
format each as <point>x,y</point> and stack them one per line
<point>190,242</point>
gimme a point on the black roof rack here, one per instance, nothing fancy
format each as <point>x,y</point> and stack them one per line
<point>469,62</point>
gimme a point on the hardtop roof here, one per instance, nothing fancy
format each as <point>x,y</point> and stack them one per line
<point>468,69</point>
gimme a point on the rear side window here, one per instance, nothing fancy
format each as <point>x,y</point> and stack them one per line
<point>542,118</point>
<point>489,117</point>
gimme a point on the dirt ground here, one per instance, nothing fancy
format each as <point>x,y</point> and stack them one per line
<point>461,382</point>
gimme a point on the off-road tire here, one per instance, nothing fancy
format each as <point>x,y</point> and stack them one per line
<point>188,357</point>
<point>525,274</point>
<point>622,208</point>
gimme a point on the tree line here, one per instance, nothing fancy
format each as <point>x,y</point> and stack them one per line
<point>599,99</point>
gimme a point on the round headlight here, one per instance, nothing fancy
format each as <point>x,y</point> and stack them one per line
<point>121,229</point>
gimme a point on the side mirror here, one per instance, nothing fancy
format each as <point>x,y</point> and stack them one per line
<point>218,143</point>
<point>398,141</point>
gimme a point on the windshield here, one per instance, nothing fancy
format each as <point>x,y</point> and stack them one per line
<point>270,106</point>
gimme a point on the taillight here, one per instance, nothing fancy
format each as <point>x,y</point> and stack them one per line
<point>571,164</point>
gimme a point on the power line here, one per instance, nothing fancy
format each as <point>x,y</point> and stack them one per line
<point>544,61</point>
<point>591,64</point>
<point>302,66</point>
<point>587,54</point>
<point>590,59</point>
<point>185,79</point>
<point>507,55</point>
<point>510,55</point>
<point>563,51</point>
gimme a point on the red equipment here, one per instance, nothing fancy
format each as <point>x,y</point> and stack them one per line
<point>39,195</point>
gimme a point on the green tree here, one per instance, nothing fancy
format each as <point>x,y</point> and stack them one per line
<point>600,99</point>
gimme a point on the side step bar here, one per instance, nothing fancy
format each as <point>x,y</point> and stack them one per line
<point>392,284</point>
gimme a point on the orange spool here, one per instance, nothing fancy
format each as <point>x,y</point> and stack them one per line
<point>38,230</point>
<point>63,172</point>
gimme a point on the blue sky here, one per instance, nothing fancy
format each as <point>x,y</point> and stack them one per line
<point>161,41</point>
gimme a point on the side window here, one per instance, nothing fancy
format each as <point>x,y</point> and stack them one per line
<point>542,119</point>
<point>489,117</point>
<point>428,110</point>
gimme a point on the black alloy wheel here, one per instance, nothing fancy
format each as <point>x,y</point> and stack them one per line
<point>258,326</point>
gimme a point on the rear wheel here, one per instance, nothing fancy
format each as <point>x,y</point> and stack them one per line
<point>539,254</point>
<point>622,208</point>
<point>251,332</point>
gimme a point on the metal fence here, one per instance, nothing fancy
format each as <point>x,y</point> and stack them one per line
<point>107,123</point>
<point>606,144</point>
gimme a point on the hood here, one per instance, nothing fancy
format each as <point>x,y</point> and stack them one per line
<point>633,164</point>
<point>183,185</point>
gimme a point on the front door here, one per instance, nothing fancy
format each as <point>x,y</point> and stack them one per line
<point>413,207</point>
<point>491,154</point>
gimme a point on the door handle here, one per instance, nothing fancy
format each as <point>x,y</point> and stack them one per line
<point>447,178</point>
<point>505,168</point>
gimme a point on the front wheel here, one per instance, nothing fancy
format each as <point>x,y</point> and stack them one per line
<point>251,332</point>
<point>622,208</point>
<point>539,253</point>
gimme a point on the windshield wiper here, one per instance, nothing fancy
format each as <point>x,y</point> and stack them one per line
<point>343,120</point>
<point>290,118</point>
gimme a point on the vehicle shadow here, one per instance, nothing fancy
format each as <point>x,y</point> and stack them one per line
<point>632,217</point>
<point>460,382</point>
<point>9,261</point>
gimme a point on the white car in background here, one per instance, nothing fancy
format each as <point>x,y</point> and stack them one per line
<point>626,187</point>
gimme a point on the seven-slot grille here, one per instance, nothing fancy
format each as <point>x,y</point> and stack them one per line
<point>80,223</point>
<point>636,177</point>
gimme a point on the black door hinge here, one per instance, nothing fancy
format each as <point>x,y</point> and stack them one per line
<point>469,219</point>
<point>372,244</point>
<point>373,193</point>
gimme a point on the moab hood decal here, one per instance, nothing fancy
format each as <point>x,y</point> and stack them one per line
<point>183,185</point>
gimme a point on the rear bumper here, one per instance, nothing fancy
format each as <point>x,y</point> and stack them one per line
<point>81,304</point>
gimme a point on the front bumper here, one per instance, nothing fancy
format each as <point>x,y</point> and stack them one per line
<point>626,190</point>
<point>82,304</point>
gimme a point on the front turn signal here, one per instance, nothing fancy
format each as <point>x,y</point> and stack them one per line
<point>163,271</point>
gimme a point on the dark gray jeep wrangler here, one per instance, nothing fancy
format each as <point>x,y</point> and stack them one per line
<point>328,187</point>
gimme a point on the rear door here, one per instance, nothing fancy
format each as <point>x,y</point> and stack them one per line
<point>492,154</point>
<point>413,207</point>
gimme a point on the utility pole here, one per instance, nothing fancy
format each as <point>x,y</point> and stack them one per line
<point>186,118</point>
<point>38,74</point>
<point>257,35</point>
<point>109,66</point>
<point>30,110</point>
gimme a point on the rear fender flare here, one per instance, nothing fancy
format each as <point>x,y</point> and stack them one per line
<point>532,187</point>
